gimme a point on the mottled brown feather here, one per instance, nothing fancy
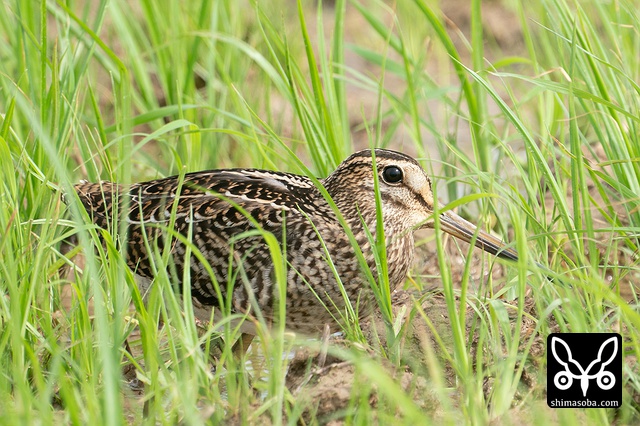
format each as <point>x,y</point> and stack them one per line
<point>206,208</point>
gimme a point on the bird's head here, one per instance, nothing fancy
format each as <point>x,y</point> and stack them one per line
<point>406,194</point>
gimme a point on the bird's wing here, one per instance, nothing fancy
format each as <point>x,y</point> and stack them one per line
<point>201,196</point>
<point>213,206</point>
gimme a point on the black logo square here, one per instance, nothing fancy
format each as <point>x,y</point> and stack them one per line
<point>584,370</point>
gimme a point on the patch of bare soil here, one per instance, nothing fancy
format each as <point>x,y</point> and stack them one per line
<point>329,389</point>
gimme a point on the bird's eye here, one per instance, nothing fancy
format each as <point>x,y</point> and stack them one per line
<point>392,174</point>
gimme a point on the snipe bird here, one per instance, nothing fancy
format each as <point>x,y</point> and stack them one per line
<point>216,207</point>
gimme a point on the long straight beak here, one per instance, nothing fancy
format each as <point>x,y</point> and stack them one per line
<point>453,224</point>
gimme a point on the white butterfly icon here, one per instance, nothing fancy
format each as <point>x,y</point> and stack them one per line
<point>564,379</point>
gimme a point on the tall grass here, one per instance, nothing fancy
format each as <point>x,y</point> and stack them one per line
<point>539,144</point>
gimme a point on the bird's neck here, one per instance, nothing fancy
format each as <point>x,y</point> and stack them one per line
<point>361,216</point>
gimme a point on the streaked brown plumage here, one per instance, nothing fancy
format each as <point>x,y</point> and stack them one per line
<point>207,209</point>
